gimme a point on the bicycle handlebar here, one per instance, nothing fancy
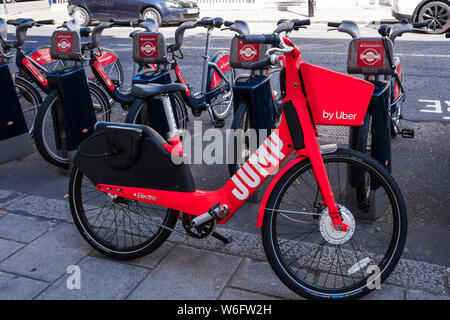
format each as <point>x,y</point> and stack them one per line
<point>420,24</point>
<point>210,22</point>
<point>22,25</point>
<point>392,31</point>
<point>263,64</point>
<point>346,26</point>
<point>285,25</point>
<point>272,39</point>
<point>238,26</point>
<point>98,30</point>
<point>334,24</point>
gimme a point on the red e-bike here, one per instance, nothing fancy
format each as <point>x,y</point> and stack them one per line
<point>129,186</point>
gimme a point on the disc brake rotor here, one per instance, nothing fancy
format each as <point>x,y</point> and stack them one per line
<point>328,231</point>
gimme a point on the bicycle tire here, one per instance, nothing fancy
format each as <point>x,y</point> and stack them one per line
<point>26,89</point>
<point>311,288</point>
<point>225,113</point>
<point>87,227</point>
<point>137,114</point>
<point>40,140</point>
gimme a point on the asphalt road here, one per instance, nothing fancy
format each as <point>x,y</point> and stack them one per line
<point>421,166</point>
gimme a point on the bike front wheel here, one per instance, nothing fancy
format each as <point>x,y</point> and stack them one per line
<point>47,143</point>
<point>308,254</point>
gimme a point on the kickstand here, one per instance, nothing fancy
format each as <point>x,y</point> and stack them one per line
<point>222,238</point>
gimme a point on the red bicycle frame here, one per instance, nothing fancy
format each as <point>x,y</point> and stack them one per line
<point>269,157</point>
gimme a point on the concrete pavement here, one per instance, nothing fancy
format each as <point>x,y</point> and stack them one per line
<point>39,244</point>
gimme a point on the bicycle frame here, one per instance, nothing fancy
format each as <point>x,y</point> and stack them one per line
<point>28,64</point>
<point>213,75</point>
<point>97,63</point>
<point>296,132</point>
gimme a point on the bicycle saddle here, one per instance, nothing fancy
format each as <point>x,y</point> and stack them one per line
<point>154,89</point>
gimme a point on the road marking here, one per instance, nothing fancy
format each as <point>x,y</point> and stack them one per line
<point>435,106</point>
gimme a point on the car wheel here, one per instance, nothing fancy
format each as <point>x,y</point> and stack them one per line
<point>152,13</point>
<point>81,16</point>
<point>437,14</point>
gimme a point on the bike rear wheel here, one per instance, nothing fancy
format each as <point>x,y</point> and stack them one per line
<point>117,227</point>
<point>303,248</point>
<point>44,131</point>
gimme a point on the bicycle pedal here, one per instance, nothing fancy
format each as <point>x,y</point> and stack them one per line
<point>222,238</point>
<point>407,133</point>
<point>219,123</point>
<point>219,212</point>
<point>216,212</point>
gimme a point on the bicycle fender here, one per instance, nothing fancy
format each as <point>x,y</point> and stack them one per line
<point>262,206</point>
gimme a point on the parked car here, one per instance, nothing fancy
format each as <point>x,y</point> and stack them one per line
<point>163,11</point>
<point>436,12</point>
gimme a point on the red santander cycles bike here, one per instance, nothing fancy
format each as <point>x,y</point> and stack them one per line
<point>129,187</point>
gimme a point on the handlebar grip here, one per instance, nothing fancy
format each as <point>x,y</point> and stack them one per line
<point>420,24</point>
<point>299,23</point>
<point>272,39</point>
<point>261,64</point>
<point>334,24</point>
<point>49,22</point>
<point>13,22</point>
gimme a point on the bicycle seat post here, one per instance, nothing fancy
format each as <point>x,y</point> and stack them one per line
<point>173,129</point>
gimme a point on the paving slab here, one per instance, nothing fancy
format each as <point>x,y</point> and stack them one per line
<point>236,294</point>
<point>41,207</point>
<point>419,275</point>
<point>422,295</point>
<point>187,274</point>
<point>386,292</point>
<point>258,276</point>
<point>243,243</point>
<point>48,257</point>
<point>22,228</point>
<point>6,196</point>
<point>15,287</point>
<point>8,247</point>
<point>149,261</point>
<point>100,279</point>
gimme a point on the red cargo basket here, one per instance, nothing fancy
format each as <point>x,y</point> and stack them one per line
<point>335,99</point>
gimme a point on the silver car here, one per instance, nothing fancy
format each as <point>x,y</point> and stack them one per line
<point>436,12</point>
